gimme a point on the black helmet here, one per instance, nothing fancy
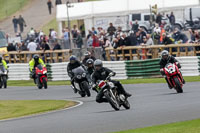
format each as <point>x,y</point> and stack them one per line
<point>36,57</point>
<point>98,64</point>
<point>89,62</point>
<point>165,55</point>
<point>72,59</point>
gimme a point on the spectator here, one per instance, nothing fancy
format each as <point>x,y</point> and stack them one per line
<point>149,40</point>
<point>15,22</point>
<point>79,40</point>
<point>23,46</point>
<point>95,42</point>
<point>172,19</point>
<point>11,47</point>
<point>58,2</point>
<point>32,46</point>
<point>94,31</point>
<point>66,38</point>
<point>106,44</point>
<point>159,18</point>
<point>179,37</point>
<point>45,46</point>
<point>111,29</point>
<point>133,39</point>
<point>167,40</point>
<point>49,4</point>
<point>53,34</point>
<point>89,39</point>
<point>18,46</point>
<point>135,26</point>
<point>57,47</point>
<point>21,23</point>
<point>74,32</point>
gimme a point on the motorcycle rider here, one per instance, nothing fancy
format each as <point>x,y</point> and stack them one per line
<point>101,73</point>
<point>74,63</point>
<point>165,59</point>
<point>34,63</point>
<point>88,56</point>
<point>3,62</point>
<point>90,66</point>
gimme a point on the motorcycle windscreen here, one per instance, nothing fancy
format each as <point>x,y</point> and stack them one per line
<point>78,71</point>
<point>39,67</point>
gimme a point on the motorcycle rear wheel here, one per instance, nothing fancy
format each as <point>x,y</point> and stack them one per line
<point>178,85</point>
<point>112,100</point>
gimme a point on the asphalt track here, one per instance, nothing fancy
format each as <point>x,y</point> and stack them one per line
<point>151,104</point>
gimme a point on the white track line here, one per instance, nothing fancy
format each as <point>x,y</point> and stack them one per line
<point>45,113</point>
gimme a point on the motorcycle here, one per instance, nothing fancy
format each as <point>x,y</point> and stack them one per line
<point>41,76</point>
<point>3,77</point>
<point>110,92</point>
<point>80,82</point>
<point>174,77</point>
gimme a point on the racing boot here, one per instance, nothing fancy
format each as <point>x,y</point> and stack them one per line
<point>74,89</point>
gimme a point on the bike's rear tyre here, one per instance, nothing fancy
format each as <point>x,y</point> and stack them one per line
<point>126,104</point>
<point>112,100</point>
<point>45,83</point>
<point>178,85</point>
<point>4,79</point>
<point>86,88</point>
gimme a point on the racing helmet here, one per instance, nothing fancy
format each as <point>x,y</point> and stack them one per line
<point>165,55</point>
<point>98,64</point>
<point>36,57</point>
<point>72,59</point>
<point>90,62</point>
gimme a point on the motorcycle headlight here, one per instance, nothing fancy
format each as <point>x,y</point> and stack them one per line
<point>78,77</point>
<point>84,74</point>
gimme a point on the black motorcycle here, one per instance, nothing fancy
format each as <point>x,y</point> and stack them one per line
<point>115,99</point>
<point>3,77</point>
<point>81,83</point>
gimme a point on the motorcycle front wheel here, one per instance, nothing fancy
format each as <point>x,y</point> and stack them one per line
<point>85,86</point>
<point>112,100</point>
<point>178,85</point>
<point>44,80</point>
<point>126,104</point>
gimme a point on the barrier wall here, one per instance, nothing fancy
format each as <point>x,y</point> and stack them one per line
<point>143,68</point>
<point>124,69</point>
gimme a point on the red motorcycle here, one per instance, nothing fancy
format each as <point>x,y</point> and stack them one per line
<point>41,76</point>
<point>174,77</point>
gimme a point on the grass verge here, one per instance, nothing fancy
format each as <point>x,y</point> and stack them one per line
<point>9,7</point>
<point>179,127</point>
<point>128,81</point>
<point>18,108</point>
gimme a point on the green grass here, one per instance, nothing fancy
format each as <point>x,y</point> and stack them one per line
<point>53,24</point>
<point>9,7</point>
<point>192,126</point>
<point>50,25</point>
<point>18,108</point>
<point>128,81</point>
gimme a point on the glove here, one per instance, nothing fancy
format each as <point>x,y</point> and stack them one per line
<point>112,74</point>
